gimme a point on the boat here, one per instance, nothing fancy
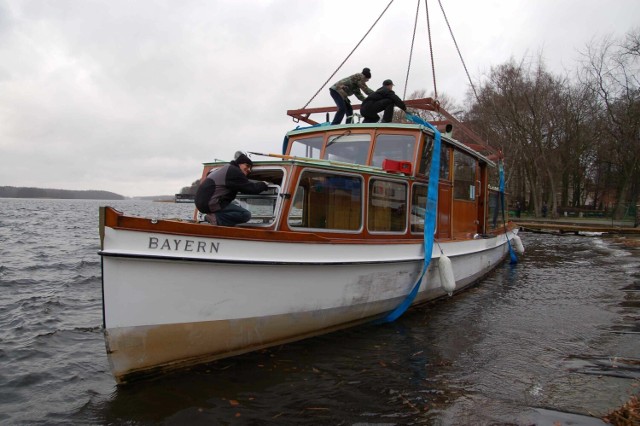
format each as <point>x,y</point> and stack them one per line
<point>360,222</point>
<point>184,198</point>
<point>352,230</point>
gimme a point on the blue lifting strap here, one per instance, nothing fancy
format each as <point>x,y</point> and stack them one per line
<point>512,253</point>
<point>429,220</point>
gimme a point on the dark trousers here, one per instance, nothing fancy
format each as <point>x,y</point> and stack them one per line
<point>232,215</point>
<point>370,110</point>
<point>343,108</point>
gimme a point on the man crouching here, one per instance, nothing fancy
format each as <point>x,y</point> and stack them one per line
<point>216,193</point>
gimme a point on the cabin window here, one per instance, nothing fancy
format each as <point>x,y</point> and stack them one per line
<point>418,207</point>
<point>494,210</point>
<point>393,147</point>
<point>264,207</point>
<point>307,147</point>
<point>387,206</point>
<point>327,201</point>
<point>445,158</point>
<point>348,148</point>
<point>425,156</point>
<point>464,176</point>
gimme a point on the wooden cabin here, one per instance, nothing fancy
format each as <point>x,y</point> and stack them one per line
<point>366,181</point>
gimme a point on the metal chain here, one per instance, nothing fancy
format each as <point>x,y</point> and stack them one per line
<point>413,38</point>
<point>458,49</point>
<point>348,56</point>
<point>433,65</point>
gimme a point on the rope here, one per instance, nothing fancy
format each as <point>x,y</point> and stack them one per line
<point>433,65</point>
<point>348,56</point>
<point>415,25</point>
<point>458,49</point>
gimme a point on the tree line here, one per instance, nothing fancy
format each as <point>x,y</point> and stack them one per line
<point>28,192</point>
<point>191,189</point>
<point>568,142</point>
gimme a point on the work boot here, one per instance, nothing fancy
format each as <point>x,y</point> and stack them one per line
<point>211,218</point>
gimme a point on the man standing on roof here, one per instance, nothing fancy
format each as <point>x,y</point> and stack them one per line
<point>346,87</point>
<point>383,99</point>
<point>216,193</point>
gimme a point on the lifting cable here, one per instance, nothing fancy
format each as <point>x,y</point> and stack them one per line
<point>433,65</point>
<point>458,49</point>
<point>348,56</point>
<point>413,38</point>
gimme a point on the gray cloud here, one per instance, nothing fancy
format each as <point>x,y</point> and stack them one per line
<point>132,97</point>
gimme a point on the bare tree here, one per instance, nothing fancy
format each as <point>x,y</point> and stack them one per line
<point>610,71</point>
<point>192,189</point>
<point>519,106</point>
<point>578,142</point>
<point>566,142</point>
<point>631,45</point>
<point>445,101</point>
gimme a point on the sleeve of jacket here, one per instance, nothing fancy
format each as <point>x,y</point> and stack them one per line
<point>397,101</point>
<point>366,88</point>
<point>237,181</point>
<point>362,86</point>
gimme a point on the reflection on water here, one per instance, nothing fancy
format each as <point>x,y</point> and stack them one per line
<point>555,334</point>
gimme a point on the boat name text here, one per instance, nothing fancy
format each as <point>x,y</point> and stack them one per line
<point>182,245</point>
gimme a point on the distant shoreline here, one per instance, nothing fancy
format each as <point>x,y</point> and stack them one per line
<point>70,194</point>
<point>30,192</point>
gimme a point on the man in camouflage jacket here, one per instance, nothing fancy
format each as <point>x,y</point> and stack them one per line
<point>346,87</point>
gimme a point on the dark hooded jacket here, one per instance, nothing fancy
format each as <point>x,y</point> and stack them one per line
<point>369,104</point>
<point>222,185</point>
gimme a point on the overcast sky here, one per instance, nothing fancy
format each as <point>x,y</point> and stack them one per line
<point>133,96</point>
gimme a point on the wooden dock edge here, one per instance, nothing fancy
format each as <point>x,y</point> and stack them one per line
<point>563,228</point>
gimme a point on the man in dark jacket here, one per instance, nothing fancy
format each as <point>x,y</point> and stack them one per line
<point>383,99</point>
<point>216,193</point>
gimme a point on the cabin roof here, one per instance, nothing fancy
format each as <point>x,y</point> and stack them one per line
<point>399,126</point>
<point>324,127</point>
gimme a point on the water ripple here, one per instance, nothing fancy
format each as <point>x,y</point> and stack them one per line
<point>526,338</point>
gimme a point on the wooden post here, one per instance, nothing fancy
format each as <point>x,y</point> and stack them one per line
<point>636,224</point>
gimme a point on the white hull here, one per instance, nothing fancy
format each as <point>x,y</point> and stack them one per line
<point>170,302</point>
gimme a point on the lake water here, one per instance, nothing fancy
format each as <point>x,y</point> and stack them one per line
<point>553,339</point>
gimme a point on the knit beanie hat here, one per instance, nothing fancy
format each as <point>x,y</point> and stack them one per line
<point>366,72</point>
<point>243,159</point>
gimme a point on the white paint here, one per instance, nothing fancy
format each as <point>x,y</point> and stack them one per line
<point>230,284</point>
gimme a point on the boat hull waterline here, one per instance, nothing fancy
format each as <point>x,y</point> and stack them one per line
<point>200,299</point>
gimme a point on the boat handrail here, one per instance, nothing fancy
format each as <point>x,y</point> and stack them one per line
<point>322,160</point>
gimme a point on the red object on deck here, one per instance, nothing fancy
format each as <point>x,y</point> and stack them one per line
<point>396,166</point>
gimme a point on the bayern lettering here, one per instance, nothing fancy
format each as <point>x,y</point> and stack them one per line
<point>172,244</point>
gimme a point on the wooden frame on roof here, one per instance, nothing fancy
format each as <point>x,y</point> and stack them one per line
<point>469,137</point>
